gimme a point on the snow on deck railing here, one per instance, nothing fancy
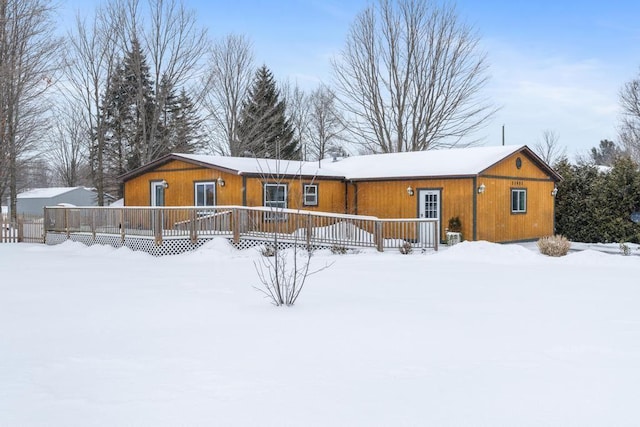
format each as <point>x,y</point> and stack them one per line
<point>238,222</point>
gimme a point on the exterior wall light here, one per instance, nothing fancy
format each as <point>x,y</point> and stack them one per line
<point>220,181</point>
<point>410,191</point>
<point>554,191</point>
<point>165,184</point>
<point>481,189</point>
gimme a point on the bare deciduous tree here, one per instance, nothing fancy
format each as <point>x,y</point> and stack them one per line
<point>548,148</point>
<point>92,56</point>
<point>28,51</point>
<point>629,128</point>
<point>176,45</point>
<point>231,69</point>
<point>298,108</point>
<point>410,75</point>
<point>326,123</point>
<point>67,143</point>
<point>283,272</point>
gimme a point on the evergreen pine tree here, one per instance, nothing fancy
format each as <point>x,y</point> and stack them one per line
<point>168,110</point>
<point>128,110</point>
<point>186,134</point>
<point>116,112</point>
<point>578,215</point>
<point>179,127</point>
<point>264,130</point>
<point>619,195</point>
<point>139,89</point>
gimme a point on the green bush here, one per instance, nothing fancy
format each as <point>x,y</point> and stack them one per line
<point>595,205</point>
<point>455,225</point>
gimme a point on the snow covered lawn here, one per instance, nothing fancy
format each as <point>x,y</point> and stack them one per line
<point>478,334</point>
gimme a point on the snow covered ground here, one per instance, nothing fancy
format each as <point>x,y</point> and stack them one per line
<point>477,334</point>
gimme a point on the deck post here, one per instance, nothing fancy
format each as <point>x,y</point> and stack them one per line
<point>235,225</point>
<point>93,224</point>
<point>20,228</point>
<point>45,225</point>
<point>437,239</point>
<point>193,233</point>
<point>66,221</point>
<point>378,237</point>
<point>309,232</point>
<point>157,226</point>
<point>122,225</point>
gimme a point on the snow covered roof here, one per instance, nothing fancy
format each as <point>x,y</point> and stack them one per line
<point>432,163</point>
<point>46,193</point>
<point>453,162</point>
<point>250,165</point>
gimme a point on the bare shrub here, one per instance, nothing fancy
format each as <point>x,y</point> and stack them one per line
<point>557,245</point>
<point>283,274</point>
<point>406,248</point>
<point>339,250</point>
<point>625,249</point>
<point>268,251</point>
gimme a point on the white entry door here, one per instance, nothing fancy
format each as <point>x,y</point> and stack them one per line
<point>429,208</point>
<point>157,199</point>
<point>157,193</point>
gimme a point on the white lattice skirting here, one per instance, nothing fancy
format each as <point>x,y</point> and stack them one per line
<point>169,246</point>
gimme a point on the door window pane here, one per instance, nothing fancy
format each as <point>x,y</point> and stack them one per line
<point>205,193</point>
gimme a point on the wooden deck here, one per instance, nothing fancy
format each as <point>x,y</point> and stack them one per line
<point>305,228</point>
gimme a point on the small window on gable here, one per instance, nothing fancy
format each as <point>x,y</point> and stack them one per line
<point>275,197</point>
<point>518,200</point>
<point>205,193</point>
<point>310,194</point>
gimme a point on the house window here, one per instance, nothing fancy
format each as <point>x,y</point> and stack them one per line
<point>310,194</point>
<point>275,197</point>
<point>518,200</point>
<point>205,193</point>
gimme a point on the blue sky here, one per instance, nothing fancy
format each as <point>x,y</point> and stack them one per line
<point>555,65</point>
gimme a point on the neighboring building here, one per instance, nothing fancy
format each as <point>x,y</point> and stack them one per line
<point>32,202</point>
<point>500,194</point>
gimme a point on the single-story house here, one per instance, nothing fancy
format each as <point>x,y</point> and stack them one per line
<point>499,194</point>
<point>32,202</point>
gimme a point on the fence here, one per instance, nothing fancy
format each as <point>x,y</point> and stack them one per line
<point>27,228</point>
<point>314,229</point>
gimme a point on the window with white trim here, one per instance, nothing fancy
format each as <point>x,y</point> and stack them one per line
<point>518,200</point>
<point>205,193</point>
<point>310,194</point>
<point>275,197</point>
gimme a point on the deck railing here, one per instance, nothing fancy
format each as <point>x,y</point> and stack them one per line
<point>237,222</point>
<point>26,228</point>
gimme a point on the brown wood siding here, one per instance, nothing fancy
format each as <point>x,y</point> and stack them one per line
<point>330,193</point>
<point>389,199</point>
<point>508,168</point>
<point>385,199</point>
<point>181,177</point>
<point>496,223</point>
